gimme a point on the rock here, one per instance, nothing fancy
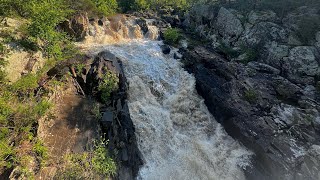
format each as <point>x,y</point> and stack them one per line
<point>165,49</point>
<point>177,55</point>
<point>228,24</point>
<point>302,61</point>
<point>260,16</point>
<point>263,33</point>
<point>77,27</point>
<point>286,89</point>
<point>317,43</point>
<point>275,124</point>
<point>263,68</point>
<point>293,40</point>
<point>107,119</point>
<point>311,164</point>
<point>143,24</point>
<point>173,20</point>
<point>274,53</point>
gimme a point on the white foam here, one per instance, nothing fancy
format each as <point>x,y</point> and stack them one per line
<point>178,137</point>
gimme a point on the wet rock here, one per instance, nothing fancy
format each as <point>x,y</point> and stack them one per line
<point>165,49</point>
<point>228,24</point>
<point>77,27</point>
<point>177,55</point>
<point>143,25</point>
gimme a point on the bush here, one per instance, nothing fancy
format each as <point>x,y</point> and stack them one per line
<point>172,36</point>
<point>101,162</point>
<point>26,84</point>
<point>108,84</point>
<point>6,154</point>
<point>88,165</point>
<point>40,150</point>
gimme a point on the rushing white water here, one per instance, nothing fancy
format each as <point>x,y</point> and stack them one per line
<point>178,137</point>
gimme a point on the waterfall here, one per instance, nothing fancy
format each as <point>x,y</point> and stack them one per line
<point>176,134</point>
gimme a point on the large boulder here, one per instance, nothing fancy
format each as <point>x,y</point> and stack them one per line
<point>228,24</point>
<point>264,32</point>
<point>273,53</point>
<point>302,61</point>
<point>77,27</point>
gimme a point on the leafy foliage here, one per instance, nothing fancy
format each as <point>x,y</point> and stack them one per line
<point>172,36</point>
<point>108,84</point>
<point>127,5</point>
<point>88,165</point>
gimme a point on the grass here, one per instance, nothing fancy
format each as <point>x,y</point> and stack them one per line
<point>40,150</point>
<point>88,165</point>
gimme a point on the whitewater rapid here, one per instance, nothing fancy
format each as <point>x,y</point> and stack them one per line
<point>177,136</point>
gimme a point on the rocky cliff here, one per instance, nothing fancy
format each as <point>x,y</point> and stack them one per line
<point>259,75</point>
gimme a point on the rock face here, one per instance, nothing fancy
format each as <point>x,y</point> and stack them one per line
<point>228,24</point>
<point>270,102</point>
<point>116,123</point>
<point>274,117</point>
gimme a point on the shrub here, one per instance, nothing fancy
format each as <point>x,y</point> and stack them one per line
<point>101,162</point>
<point>106,7</point>
<point>172,36</point>
<point>6,154</point>
<point>26,84</point>
<point>40,150</point>
<point>108,84</point>
<point>88,165</point>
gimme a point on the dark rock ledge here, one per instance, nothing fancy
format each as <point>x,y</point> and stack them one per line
<point>270,115</point>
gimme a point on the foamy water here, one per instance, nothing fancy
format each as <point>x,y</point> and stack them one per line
<point>177,136</point>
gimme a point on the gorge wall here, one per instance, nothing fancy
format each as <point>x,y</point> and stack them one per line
<point>262,83</point>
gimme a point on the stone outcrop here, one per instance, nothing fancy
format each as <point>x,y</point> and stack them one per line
<point>116,123</point>
<point>228,25</point>
<point>274,117</point>
<point>269,102</point>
